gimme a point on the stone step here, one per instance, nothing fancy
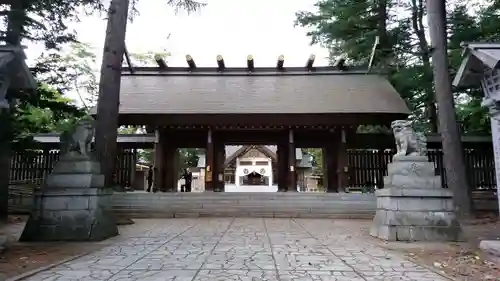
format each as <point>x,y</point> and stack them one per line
<point>296,205</point>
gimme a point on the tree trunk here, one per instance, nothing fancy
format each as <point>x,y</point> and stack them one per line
<point>419,29</point>
<point>454,163</point>
<point>16,19</point>
<point>109,88</point>
<point>385,45</point>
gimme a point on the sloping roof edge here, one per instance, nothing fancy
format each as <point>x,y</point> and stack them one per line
<point>244,149</point>
<point>14,54</point>
<point>476,57</point>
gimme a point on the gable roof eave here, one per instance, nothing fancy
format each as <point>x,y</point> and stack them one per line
<point>244,149</point>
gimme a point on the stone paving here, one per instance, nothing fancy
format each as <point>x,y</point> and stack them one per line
<point>240,249</point>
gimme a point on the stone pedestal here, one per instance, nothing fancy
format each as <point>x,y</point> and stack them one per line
<point>73,205</point>
<point>413,206</point>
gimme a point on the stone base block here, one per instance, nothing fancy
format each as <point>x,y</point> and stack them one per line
<point>408,174</point>
<point>408,166</point>
<point>75,181</point>
<point>415,215</point>
<point>417,233</point>
<point>491,248</point>
<point>76,165</point>
<point>82,214</point>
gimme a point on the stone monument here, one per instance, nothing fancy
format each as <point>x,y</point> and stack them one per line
<point>413,206</point>
<point>73,205</point>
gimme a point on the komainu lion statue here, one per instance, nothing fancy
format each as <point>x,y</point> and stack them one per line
<point>408,142</point>
<point>78,139</point>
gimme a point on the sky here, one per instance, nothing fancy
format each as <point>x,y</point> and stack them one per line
<point>231,28</point>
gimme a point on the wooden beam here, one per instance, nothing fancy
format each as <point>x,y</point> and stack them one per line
<point>312,119</point>
<point>129,61</point>
<point>161,62</point>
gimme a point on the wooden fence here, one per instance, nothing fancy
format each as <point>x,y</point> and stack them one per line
<point>367,167</point>
<point>33,166</point>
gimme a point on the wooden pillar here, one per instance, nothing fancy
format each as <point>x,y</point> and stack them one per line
<point>342,167</point>
<point>282,166</point>
<point>169,156</point>
<point>331,158</point>
<point>133,168</point>
<point>209,162</point>
<point>220,157</point>
<point>158,171</point>
<point>172,167</point>
<point>324,166</point>
<point>176,169</point>
<point>292,163</point>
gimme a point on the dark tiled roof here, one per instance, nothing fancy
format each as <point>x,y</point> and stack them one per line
<point>184,93</point>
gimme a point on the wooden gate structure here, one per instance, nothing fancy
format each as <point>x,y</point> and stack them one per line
<point>289,107</point>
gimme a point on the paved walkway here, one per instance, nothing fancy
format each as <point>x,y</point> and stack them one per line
<point>241,249</point>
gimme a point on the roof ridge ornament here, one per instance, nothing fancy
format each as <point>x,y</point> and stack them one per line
<point>250,63</point>
<point>220,63</point>
<point>190,62</point>
<point>160,61</point>
<point>310,62</point>
<point>280,63</point>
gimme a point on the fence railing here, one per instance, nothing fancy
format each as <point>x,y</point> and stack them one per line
<point>33,166</point>
<point>367,167</point>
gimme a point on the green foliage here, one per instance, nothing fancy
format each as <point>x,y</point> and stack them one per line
<point>188,158</point>
<point>350,27</point>
<point>70,70</point>
<point>345,27</point>
<point>43,112</point>
<point>317,159</point>
<point>145,156</point>
<point>48,110</point>
<point>46,20</point>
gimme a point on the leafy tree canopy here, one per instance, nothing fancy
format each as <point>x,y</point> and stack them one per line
<point>349,27</point>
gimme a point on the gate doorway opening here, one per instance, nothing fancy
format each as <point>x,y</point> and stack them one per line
<point>250,168</point>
